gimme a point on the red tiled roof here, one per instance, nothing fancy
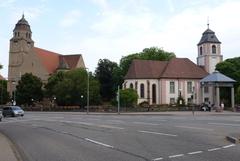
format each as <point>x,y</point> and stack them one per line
<point>183,68</point>
<point>72,60</point>
<point>1,77</point>
<point>175,68</point>
<point>146,69</point>
<point>52,61</point>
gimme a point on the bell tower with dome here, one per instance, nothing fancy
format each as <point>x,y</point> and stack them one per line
<point>20,45</point>
<point>25,57</point>
<point>209,51</point>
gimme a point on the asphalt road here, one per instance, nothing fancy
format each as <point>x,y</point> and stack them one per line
<point>80,137</point>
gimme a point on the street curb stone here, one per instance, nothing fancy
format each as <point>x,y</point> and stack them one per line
<point>8,151</point>
<point>233,139</point>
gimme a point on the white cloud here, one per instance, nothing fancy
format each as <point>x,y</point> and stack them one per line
<point>171,6</point>
<point>103,4</point>
<point>71,18</point>
<point>120,33</point>
<point>6,3</point>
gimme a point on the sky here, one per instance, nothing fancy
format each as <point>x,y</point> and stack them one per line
<point>111,29</point>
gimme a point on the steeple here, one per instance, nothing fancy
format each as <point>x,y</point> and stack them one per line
<point>209,36</point>
<point>209,50</point>
<point>22,31</point>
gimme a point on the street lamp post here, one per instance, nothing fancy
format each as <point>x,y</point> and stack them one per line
<point>14,94</point>
<point>87,91</point>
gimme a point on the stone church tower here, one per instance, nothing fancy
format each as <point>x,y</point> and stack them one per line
<point>24,57</point>
<point>20,45</point>
<point>209,51</point>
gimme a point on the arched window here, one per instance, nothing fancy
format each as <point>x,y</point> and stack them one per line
<point>214,49</point>
<point>26,35</point>
<point>15,34</point>
<point>142,90</point>
<point>131,85</point>
<point>154,93</point>
<point>200,50</point>
<point>18,34</point>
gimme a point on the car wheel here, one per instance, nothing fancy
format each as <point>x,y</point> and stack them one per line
<point>22,115</point>
<point>13,115</point>
<point>4,115</point>
<point>0,119</point>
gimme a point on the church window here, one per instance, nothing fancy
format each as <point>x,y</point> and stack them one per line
<point>189,100</point>
<point>26,35</point>
<point>142,90</point>
<point>200,50</point>
<point>15,34</point>
<point>205,89</point>
<point>172,100</point>
<point>18,34</point>
<point>206,99</point>
<point>189,87</point>
<point>131,85</point>
<point>154,93</point>
<point>172,87</point>
<point>214,49</point>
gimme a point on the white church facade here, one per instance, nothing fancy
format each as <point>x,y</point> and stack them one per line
<point>162,82</point>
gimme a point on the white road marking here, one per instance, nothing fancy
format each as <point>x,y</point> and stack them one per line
<point>196,152</point>
<point>228,146</point>
<point>157,133</point>
<point>175,156</point>
<point>146,123</point>
<point>196,128</point>
<point>157,159</point>
<point>110,127</point>
<point>75,122</point>
<point>224,124</point>
<point>214,149</point>
<point>99,143</point>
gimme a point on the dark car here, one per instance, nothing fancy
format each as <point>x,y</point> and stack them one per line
<point>206,107</point>
<point>12,111</point>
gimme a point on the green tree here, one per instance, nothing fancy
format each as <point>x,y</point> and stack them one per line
<point>231,68</point>
<point>128,97</point>
<point>71,89</point>
<point>107,78</point>
<point>52,81</point>
<point>29,89</point>
<point>4,97</point>
<point>152,53</point>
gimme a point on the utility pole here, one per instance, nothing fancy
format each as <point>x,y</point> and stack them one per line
<point>118,99</point>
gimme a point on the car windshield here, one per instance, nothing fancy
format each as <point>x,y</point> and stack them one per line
<point>16,108</point>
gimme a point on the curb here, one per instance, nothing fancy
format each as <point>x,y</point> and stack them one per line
<point>10,152</point>
<point>233,139</point>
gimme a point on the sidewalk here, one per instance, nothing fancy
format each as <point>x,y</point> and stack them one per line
<point>7,152</point>
<point>167,113</point>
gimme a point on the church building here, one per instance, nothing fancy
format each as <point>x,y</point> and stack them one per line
<point>162,82</point>
<point>24,57</point>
